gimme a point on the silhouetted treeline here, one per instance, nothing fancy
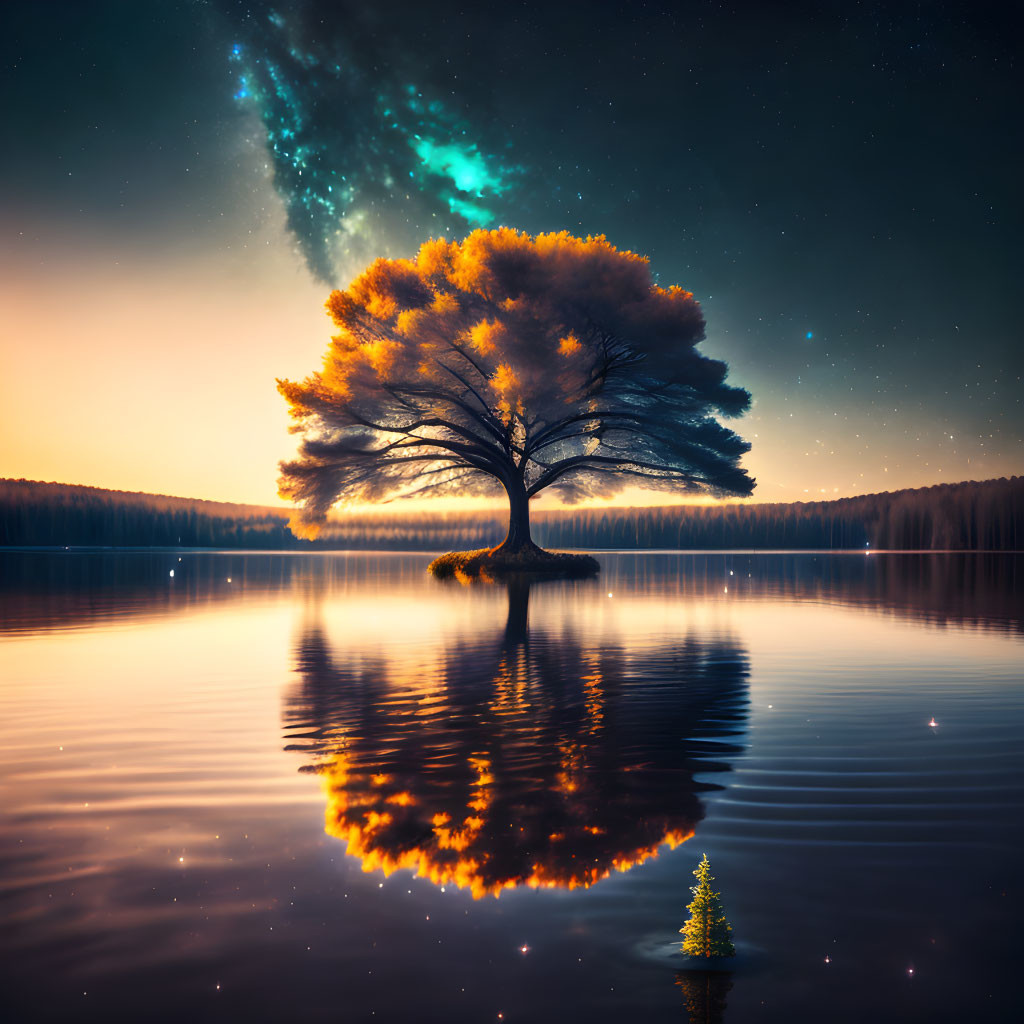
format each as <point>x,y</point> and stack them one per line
<point>33,513</point>
<point>971,516</point>
<point>986,515</point>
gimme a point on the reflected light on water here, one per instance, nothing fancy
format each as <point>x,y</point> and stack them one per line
<point>526,756</point>
<point>173,749</point>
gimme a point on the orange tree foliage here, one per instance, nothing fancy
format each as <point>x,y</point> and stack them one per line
<point>516,362</point>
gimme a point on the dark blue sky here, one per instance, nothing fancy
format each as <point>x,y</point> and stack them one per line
<point>837,184</point>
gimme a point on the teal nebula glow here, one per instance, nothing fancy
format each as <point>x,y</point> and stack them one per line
<point>352,167</point>
<point>472,213</point>
<point>463,165</point>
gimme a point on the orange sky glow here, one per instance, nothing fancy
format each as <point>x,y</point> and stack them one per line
<point>139,368</point>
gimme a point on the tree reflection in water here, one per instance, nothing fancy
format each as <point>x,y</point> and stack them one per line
<point>704,993</point>
<point>520,757</point>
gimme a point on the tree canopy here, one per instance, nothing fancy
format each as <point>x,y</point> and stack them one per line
<point>514,362</point>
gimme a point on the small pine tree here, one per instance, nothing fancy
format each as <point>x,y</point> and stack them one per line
<point>707,931</point>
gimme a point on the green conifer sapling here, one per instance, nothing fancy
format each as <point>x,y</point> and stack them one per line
<point>706,933</point>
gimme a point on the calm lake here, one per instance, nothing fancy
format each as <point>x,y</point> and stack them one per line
<point>329,787</point>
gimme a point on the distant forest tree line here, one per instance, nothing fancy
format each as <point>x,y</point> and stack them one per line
<point>984,516</point>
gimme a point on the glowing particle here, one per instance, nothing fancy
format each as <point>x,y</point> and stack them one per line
<point>181,860</point>
<point>933,723</point>
<point>609,593</point>
<point>810,335</point>
<point>828,959</point>
<point>172,572</point>
<point>524,950</point>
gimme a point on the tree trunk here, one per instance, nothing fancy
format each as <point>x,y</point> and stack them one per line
<point>518,536</point>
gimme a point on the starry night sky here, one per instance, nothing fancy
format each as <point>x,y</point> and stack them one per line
<point>837,183</point>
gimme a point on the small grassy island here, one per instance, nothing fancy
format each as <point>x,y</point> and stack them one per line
<point>526,560</point>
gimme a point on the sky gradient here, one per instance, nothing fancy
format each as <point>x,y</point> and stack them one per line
<point>185,182</point>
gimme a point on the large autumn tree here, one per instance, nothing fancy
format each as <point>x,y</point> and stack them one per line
<point>511,362</point>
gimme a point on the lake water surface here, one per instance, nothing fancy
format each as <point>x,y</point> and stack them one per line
<point>328,787</point>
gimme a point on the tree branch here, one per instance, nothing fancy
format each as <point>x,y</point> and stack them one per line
<point>559,469</point>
